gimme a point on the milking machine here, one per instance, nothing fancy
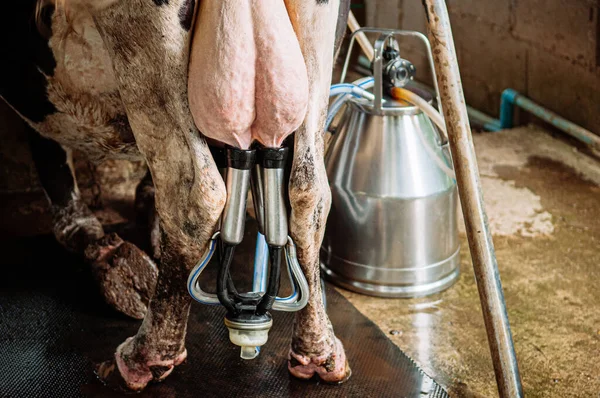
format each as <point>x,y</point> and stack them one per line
<point>248,315</point>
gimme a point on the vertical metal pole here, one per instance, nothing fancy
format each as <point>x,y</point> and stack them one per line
<point>469,188</point>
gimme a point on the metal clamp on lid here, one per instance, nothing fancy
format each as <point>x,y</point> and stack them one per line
<point>389,67</point>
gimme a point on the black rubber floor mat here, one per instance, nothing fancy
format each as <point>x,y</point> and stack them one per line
<point>54,329</point>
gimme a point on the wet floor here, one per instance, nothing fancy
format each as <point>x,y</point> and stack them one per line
<point>549,259</point>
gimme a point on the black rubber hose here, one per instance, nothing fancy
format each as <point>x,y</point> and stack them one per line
<point>231,287</point>
<point>222,278</point>
<point>266,303</point>
<point>219,256</point>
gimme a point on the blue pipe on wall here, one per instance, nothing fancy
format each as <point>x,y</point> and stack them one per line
<point>511,98</point>
<point>507,106</point>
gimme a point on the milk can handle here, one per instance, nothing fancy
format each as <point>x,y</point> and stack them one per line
<point>377,71</point>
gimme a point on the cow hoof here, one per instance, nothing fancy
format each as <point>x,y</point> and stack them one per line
<point>132,372</point>
<point>75,226</point>
<point>107,374</point>
<point>332,368</point>
<point>125,274</point>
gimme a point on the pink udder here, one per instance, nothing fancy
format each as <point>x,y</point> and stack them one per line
<point>247,76</point>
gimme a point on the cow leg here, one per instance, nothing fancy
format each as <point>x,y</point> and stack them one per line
<point>73,223</point>
<point>75,227</point>
<point>149,45</point>
<point>146,215</point>
<point>315,350</point>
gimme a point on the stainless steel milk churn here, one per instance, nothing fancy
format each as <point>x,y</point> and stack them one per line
<point>392,229</point>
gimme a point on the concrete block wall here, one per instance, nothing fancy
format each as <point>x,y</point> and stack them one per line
<point>548,50</point>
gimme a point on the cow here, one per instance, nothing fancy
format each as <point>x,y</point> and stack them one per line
<point>158,80</point>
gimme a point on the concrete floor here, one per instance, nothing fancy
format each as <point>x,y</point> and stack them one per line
<point>543,203</point>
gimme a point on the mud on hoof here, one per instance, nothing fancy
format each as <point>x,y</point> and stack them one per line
<point>125,274</point>
<point>128,371</point>
<point>75,226</point>
<point>332,368</point>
